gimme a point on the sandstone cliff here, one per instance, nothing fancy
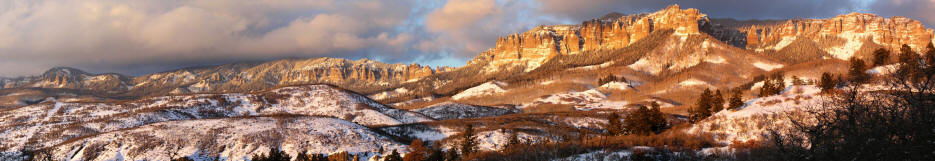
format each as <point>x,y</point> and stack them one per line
<point>534,47</point>
<point>854,29</point>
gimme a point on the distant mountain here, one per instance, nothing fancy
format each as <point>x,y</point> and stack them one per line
<point>360,75</point>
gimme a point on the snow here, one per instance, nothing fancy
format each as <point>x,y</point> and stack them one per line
<point>44,121</point>
<point>786,40</point>
<point>883,70</point>
<point>853,43</point>
<point>243,136</point>
<point>388,94</point>
<point>594,67</point>
<point>716,60</point>
<point>485,89</point>
<point>616,85</point>
<point>585,100</point>
<point>600,155</point>
<point>693,82</point>
<point>767,66</point>
<point>753,119</point>
<point>451,110</point>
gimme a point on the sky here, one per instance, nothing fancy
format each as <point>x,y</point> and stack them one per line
<point>136,37</point>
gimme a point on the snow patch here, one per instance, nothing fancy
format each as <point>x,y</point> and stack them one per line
<point>485,89</point>
<point>784,42</point>
<point>616,85</point>
<point>716,60</point>
<point>693,82</point>
<point>853,43</point>
<point>766,66</point>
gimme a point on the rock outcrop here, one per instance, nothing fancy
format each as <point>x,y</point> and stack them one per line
<point>854,28</point>
<point>536,46</point>
<point>239,77</point>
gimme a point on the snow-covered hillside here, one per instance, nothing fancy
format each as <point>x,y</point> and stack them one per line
<point>753,120</point>
<point>229,138</point>
<point>452,110</point>
<point>49,124</point>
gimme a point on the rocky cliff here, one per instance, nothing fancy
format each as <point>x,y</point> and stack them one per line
<point>536,46</point>
<point>841,36</point>
<point>851,31</point>
<point>238,77</point>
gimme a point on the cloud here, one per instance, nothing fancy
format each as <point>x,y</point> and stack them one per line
<point>145,36</point>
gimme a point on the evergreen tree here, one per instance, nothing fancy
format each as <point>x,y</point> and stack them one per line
<point>880,57</point>
<point>656,118</point>
<point>340,156</point>
<point>394,156</point>
<point>797,81</point>
<point>702,108</point>
<point>646,120</point>
<point>910,68</point>
<point>857,71</point>
<point>767,88</point>
<point>272,155</point>
<point>436,154</point>
<point>779,81</point>
<point>469,141</point>
<point>930,56</point>
<point>827,82</point>
<point>512,142</point>
<point>303,157</point>
<point>614,126</point>
<point>717,104</point>
<point>637,122</point>
<point>452,155</point>
<point>417,151</point>
<point>736,100</point>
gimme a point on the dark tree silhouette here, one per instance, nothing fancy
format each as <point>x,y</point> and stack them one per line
<point>857,71</point>
<point>736,100</point>
<point>394,156</point>
<point>468,141</point>
<point>880,57</point>
<point>827,82</point>
<point>417,151</point>
<point>702,107</point>
<point>614,126</point>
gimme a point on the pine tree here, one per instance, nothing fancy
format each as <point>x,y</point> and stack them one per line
<point>417,151</point>
<point>780,83</point>
<point>717,104</point>
<point>880,57</point>
<point>394,156</point>
<point>637,122</point>
<point>512,142</point>
<point>736,100</point>
<point>910,63</point>
<point>767,88</point>
<point>702,107</point>
<point>827,82</point>
<point>857,71</point>
<point>452,155</point>
<point>614,126</point>
<point>340,156</point>
<point>930,57</point>
<point>436,155</point>
<point>657,119</point>
<point>272,155</point>
<point>797,81</point>
<point>303,157</point>
<point>469,142</point>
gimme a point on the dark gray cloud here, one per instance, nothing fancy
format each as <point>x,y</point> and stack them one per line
<point>138,36</point>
